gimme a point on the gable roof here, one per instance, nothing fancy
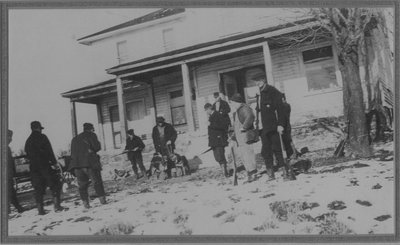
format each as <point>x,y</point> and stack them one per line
<point>146,18</point>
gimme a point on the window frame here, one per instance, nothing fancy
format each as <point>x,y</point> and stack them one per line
<point>169,91</point>
<point>125,57</point>
<point>336,64</point>
<point>113,131</point>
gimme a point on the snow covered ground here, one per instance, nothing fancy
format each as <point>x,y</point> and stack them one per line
<point>354,197</point>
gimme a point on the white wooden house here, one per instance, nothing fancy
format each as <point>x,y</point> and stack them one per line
<point>171,61</point>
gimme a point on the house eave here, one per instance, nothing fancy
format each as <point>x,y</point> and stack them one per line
<point>92,39</point>
<point>182,53</point>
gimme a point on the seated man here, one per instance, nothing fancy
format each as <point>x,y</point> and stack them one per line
<point>157,165</point>
<point>177,161</point>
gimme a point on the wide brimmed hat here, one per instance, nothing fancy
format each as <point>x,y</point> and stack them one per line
<point>36,125</point>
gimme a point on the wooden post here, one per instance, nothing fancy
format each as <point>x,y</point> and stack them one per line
<point>101,127</point>
<point>73,119</point>
<point>153,99</point>
<point>121,109</point>
<point>187,96</point>
<point>268,64</point>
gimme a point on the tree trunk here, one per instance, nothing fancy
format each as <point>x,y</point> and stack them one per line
<point>355,109</point>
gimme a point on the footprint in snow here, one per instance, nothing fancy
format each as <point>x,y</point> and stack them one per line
<point>268,195</point>
<point>84,218</point>
<point>376,187</point>
<point>364,203</point>
<point>383,217</point>
<point>337,205</point>
<point>219,214</point>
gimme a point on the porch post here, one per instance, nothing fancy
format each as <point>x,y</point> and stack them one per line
<point>101,127</point>
<point>187,96</point>
<point>268,64</point>
<point>153,100</point>
<point>121,109</point>
<point>73,119</point>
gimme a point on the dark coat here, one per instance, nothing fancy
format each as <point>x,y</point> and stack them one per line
<point>224,107</point>
<point>169,134</point>
<point>218,130</point>
<point>84,148</point>
<point>271,102</point>
<point>11,164</point>
<point>288,128</point>
<point>39,151</point>
<point>131,144</point>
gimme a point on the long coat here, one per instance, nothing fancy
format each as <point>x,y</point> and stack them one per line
<point>131,144</point>
<point>243,118</point>
<point>39,151</point>
<point>224,107</point>
<point>218,130</point>
<point>169,134</point>
<point>288,128</point>
<point>270,103</point>
<point>84,148</point>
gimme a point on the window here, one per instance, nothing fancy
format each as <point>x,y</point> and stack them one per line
<point>135,110</point>
<point>122,51</point>
<point>177,107</point>
<point>168,39</point>
<point>115,126</point>
<point>320,68</point>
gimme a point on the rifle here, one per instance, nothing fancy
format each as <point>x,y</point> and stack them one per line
<point>257,112</point>
<point>123,153</point>
<point>235,177</point>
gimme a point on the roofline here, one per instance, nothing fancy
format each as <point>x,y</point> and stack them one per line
<point>88,40</point>
<point>165,56</point>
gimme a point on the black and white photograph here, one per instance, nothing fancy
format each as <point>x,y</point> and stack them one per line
<point>199,121</point>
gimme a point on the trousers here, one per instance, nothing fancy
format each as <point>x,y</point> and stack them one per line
<point>84,176</point>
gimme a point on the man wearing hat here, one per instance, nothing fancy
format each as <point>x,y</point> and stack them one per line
<point>218,136</point>
<point>221,106</point>
<point>85,163</point>
<point>12,194</point>
<point>134,146</point>
<point>243,120</point>
<point>164,136</point>
<point>42,165</point>
<point>273,122</point>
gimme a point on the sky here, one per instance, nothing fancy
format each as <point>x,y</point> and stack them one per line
<point>45,60</point>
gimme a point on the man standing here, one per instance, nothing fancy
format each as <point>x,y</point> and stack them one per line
<point>164,135</point>
<point>134,146</point>
<point>42,165</point>
<point>85,163</point>
<point>218,136</point>
<point>221,105</point>
<point>12,194</point>
<point>243,121</point>
<point>273,121</point>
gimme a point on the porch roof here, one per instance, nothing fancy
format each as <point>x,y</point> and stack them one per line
<point>200,52</point>
<point>202,49</point>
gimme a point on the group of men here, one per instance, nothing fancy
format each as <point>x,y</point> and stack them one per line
<point>275,119</point>
<point>84,162</point>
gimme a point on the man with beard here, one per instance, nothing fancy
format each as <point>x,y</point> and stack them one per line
<point>273,122</point>
<point>42,166</point>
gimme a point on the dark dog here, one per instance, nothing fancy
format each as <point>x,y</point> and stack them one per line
<point>301,166</point>
<point>178,162</point>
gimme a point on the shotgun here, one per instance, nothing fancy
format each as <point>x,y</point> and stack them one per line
<point>235,177</point>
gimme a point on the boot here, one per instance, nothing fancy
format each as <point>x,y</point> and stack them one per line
<point>41,210</point>
<point>270,173</point>
<point>86,204</point>
<point>251,176</point>
<point>57,204</point>
<point>103,200</point>
<point>225,170</point>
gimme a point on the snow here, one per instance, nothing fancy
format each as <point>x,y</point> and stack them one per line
<point>206,203</point>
